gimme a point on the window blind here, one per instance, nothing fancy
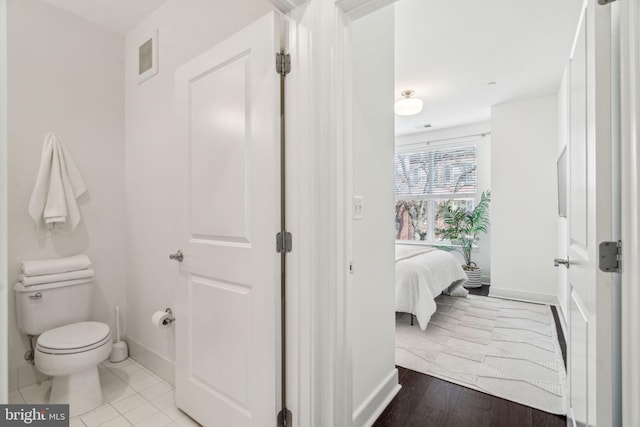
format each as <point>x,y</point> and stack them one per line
<point>436,172</point>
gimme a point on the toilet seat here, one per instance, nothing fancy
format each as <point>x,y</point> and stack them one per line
<point>74,338</point>
<point>71,355</point>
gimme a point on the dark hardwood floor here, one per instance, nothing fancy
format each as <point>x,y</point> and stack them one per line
<point>561,340</point>
<point>425,401</point>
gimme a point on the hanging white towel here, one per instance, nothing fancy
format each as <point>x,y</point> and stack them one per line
<point>55,265</point>
<point>58,277</point>
<point>53,204</point>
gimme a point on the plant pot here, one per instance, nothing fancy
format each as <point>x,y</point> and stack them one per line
<point>474,277</point>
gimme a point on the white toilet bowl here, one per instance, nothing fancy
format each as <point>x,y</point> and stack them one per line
<point>71,354</point>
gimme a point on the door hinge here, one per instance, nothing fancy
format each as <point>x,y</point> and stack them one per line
<point>283,63</point>
<point>283,242</point>
<point>609,255</point>
<point>605,2</point>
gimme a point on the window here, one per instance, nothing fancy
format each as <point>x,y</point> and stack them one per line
<point>426,179</point>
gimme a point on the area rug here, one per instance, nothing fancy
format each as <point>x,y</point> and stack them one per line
<point>505,348</point>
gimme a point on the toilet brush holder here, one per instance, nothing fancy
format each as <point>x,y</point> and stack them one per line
<point>119,352</point>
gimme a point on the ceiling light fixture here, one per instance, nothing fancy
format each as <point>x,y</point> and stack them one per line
<point>408,106</point>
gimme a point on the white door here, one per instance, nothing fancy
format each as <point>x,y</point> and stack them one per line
<point>590,355</point>
<point>227,314</point>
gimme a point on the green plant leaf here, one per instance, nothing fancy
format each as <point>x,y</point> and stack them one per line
<point>462,226</point>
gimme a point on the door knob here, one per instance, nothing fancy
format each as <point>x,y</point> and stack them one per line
<point>178,256</point>
<point>558,261</point>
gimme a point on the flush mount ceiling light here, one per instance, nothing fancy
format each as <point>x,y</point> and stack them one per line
<point>408,106</point>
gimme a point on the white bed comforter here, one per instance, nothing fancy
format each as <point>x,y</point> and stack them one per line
<point>422,273</point>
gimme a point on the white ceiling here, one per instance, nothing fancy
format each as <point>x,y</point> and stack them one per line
<point>117,15</point>
<point>448,50</point>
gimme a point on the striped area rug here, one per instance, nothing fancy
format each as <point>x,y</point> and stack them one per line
<point>505,348</point>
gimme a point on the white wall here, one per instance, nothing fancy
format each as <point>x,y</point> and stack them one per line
<point>372,314</point>
<point>524,227</point>
<point>186,28</point>
<point>65,74</point>
<point>480,255</point>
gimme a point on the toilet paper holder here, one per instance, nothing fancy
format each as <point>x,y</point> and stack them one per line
<point>170,319</point>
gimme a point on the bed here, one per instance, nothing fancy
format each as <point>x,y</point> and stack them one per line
<point>422,273</point>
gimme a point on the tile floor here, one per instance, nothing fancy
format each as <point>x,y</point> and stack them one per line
<point>133,397</point>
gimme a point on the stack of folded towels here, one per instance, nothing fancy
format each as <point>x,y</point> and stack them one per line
<point>71,269</point>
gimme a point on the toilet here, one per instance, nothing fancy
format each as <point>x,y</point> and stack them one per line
<point>69,347</point>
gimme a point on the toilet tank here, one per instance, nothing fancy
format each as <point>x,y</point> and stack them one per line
<point>43,307</point>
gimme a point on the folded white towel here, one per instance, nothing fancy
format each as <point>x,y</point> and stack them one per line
<point>22,288</point>
<point>53,203</point>
<point>58,277</point>
<point>55,265</point>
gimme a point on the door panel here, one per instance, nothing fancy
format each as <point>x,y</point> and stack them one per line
<point>226,330</point>
<point>220,310</point>
<point>218,106</point>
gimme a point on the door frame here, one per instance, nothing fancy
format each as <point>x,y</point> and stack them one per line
<point>319,129</point>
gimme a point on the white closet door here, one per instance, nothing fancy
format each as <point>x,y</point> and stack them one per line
<point>227,310</point>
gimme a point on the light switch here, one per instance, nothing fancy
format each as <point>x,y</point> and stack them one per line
<point>358,207</point>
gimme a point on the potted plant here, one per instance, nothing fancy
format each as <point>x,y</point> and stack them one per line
<point>461,228</point>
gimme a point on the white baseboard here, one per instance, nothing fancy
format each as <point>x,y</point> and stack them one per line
<point>27,374</point>
<point>526,296</point>
<point>372,407</point>
<point>159,365</point>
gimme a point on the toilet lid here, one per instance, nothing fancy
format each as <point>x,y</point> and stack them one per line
<point>74,338</point>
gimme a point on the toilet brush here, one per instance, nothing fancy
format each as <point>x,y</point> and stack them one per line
<point>119,352</point>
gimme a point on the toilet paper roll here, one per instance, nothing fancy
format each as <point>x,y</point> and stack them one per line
<point>161,319</point>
